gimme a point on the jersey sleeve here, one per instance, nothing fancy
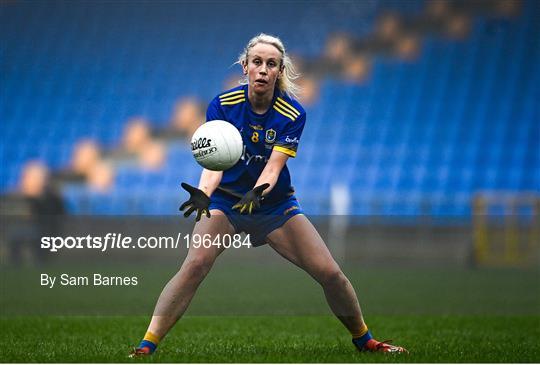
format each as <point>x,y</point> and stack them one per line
<point>214,111</point>
<point>288,140</point>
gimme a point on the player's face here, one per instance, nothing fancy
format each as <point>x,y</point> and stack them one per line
<point>263,68</point>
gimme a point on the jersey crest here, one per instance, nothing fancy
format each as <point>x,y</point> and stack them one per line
<point>270,136</point>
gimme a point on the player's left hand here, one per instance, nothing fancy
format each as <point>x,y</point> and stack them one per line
<point>252,200</point>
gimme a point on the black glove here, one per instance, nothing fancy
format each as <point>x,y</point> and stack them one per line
<point>252,200</point>
<point>198,200</point>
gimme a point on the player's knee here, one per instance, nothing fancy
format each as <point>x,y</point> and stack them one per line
<point>197,267</point>
<point>332,276</point>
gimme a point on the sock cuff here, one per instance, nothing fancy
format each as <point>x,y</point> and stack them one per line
<point>361,341</point>
<point>149,336</point>
<point>361,331</point>
<point>145,343</point>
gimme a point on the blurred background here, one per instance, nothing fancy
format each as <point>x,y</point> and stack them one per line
<point>422,142</point>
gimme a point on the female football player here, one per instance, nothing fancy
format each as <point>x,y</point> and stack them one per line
<point>271,123</point>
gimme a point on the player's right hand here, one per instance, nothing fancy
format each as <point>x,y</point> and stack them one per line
<point>198,201</point>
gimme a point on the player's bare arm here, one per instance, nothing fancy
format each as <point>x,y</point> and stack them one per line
<point>272,170</point>
<point>209,181</point>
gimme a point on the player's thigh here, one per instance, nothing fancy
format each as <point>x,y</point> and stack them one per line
<point>299,242</point>
<point>206,231</point>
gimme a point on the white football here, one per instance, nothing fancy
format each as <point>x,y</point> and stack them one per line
<point>217,145</point>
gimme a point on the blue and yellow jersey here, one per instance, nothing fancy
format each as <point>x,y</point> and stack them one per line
<point>278,129</point>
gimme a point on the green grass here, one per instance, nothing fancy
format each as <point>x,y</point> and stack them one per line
<point>271,339</point>
<point>276,313</point>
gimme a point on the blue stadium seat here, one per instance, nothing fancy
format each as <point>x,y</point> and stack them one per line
<point>462,117</point>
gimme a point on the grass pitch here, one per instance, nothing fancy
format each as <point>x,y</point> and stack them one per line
<point>275,313</point>
<point>271,339</point>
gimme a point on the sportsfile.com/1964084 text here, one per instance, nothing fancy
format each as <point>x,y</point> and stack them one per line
<point>121,241</point>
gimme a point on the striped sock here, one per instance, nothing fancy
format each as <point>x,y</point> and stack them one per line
<point>361,331</point>
<point>361,337</point>
<point>150,340</point>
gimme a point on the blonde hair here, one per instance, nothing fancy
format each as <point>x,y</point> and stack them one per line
<point>285,83</point>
